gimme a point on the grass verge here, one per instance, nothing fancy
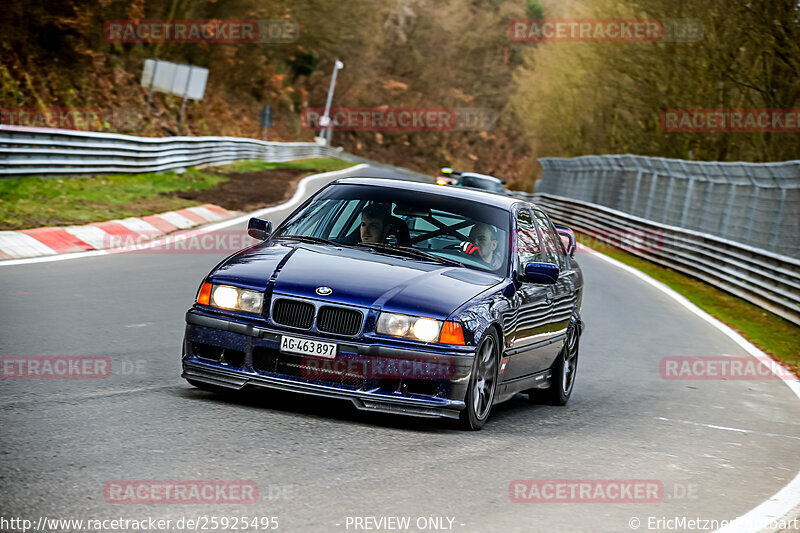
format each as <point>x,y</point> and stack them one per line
<point>315,165</point>
<point>771,333</point>
<point>30,202</point>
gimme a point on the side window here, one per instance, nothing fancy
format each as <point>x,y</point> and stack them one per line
<point>527,240</point>
<point>552,247</point>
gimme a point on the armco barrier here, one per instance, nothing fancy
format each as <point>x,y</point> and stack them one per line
<point>50,152</point>
<point>766,279</point>
<point>757,204</point>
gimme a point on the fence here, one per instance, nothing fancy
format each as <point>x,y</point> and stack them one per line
<point>737,209</point>
<point>766,279</point>
<point>42,151</point>
<point>757,204</point>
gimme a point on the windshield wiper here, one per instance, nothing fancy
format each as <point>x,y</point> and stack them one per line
<point>432,256</point>
<point>308,239</point>
<point>410,252</point>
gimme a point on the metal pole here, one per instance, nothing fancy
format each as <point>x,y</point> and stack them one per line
<point>325,121</point>
<point>180,119</point>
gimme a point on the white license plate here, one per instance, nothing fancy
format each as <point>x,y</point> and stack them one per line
<point>308,347</point>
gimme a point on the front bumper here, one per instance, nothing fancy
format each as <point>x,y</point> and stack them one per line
<point>419,389</point>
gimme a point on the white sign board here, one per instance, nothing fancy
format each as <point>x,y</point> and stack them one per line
<point>181,80</point>
<point>197,83</point>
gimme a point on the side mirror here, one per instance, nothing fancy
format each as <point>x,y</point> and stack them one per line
<point>259,228</point>
<point>568,238</point>
<point>546,273</point>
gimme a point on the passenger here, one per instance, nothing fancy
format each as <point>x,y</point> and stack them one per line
<point>375,223</point>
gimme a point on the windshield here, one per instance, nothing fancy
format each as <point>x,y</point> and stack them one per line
<point>424,226</point>
<point>485,184</point>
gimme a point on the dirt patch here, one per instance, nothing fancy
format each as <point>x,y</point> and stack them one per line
<point>248,191</point>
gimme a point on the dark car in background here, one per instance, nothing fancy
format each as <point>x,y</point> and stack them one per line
<point>464,300</point>
<point>471,180</point>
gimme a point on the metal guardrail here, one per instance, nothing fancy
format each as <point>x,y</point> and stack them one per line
<point>757,204</point>
<point>764,278</point>
<point>768,280</point>
<point>51,152</point>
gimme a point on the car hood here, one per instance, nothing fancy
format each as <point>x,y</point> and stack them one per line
<point>356,277</point>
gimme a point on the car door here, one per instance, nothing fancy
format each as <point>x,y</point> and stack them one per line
<point>563,291</point>
<point>530,349</point>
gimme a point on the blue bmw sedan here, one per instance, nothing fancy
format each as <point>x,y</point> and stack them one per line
<point>400,297</point>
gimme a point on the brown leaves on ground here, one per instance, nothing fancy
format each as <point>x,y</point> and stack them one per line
<point>248,191</point>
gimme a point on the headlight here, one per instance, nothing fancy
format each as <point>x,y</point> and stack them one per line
<point>426,329</point>
<point>225,297</point>
<point>229,297</point>
<point>419,328</point>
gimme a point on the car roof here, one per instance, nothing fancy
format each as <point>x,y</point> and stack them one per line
<point>482,176</point>
<point>475,195</point>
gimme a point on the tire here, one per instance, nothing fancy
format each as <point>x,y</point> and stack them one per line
<point>565,369</point>
<point>482,383</point>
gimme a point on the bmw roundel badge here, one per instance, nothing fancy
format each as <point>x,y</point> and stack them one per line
<point>324,291</point>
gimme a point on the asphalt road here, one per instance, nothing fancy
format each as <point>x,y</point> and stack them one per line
<point>317,462</point>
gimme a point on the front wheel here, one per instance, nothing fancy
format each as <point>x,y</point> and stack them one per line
<point>482,383</point>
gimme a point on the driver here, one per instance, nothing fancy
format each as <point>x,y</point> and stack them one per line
<point>375,223</point>
<point>484,238</point>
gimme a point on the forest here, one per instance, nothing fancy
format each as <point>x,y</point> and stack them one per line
<point>559,97</point>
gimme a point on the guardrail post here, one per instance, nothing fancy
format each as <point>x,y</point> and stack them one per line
<point>776,227</point>
<point>773,244</point>
<point>706,206</point>
<point>727,216</point>
<point>686,202</point>
<point>651,195</point>
<point>668,201</point>
<point>753,207</point>
<point>635,198</point>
